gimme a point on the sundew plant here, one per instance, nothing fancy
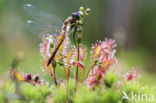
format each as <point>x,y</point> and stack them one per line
<point>86,77</point>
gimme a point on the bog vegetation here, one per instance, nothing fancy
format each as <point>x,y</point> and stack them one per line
<point>86,76</point>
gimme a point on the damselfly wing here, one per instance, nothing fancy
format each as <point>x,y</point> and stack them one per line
<point>42,22</point>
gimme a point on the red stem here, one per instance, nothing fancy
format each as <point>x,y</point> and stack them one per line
<point>90,69</point>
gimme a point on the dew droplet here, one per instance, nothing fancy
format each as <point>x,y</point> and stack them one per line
<point>28,4</point>
<point>29,21</point>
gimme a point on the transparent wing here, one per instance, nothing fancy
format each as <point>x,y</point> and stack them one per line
<point>42,22</point>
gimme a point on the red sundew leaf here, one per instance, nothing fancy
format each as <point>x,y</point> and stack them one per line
<point>95,79</point>
<point>44,48</point>
<point>69,57</point>
<point>28,77</point>
<point>17,75</point>
<point>83,52</point>
<point>104,49</point>
<point>44,66</point>
<point>36,79</point>
<point>107,63</point>
<point>108,44</point>
<point>97,51</point>
<point>79,64</point>
<point>92,80</point>
<point>130,75</point>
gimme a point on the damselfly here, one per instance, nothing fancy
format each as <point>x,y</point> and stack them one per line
<point>44,22</point>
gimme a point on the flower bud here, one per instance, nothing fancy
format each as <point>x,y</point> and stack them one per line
<point>51,45</point>
<point>36,79</point>
<point>28,77</point>
<point>88,10</point>
<point>54,64</point>
<point>79,37</point>
<point>81,8</point>
<point>85,13</point>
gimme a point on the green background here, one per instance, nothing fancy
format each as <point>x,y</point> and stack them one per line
<point>131,23</point>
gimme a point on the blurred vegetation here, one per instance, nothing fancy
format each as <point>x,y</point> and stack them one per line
<point>48,93</point>
<point>131,23</point>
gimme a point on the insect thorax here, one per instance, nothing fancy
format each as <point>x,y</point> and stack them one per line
<point>70,21</point>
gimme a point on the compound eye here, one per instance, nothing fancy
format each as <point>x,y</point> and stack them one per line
<point>73,14</point>
<point>76,16</point>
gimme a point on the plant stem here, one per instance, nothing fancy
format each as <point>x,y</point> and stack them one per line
<point>77,70</point>
<point>68,74</point>
<point>90,69</point>
<point>83,74</point>
<point>52,76</point>
<point>55,77</point>
<point>67,92</point>
<point>80,76</point>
